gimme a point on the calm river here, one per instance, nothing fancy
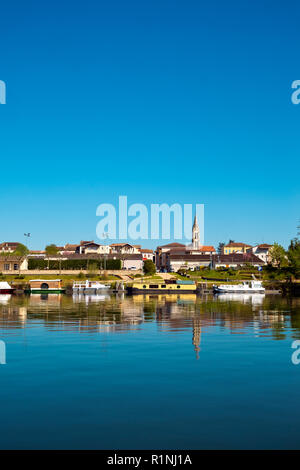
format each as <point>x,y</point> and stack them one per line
<point>149,372</point>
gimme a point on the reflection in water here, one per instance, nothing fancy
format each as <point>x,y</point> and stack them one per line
<point>4,298</point>
<point>238,313</point>
<point>254,299</point>
<point>77,298</point>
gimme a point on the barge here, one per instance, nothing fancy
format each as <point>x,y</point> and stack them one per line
<point>46,286</point>
<point>168,287</point>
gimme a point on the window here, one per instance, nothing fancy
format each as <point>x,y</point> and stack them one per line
<point>6,267</point>
<point>144,287</point>
<point>16,267</point>
<point>153,286</point>
<point>178,287</point>
<point>163,286</point>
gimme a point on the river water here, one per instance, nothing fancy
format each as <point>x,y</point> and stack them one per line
<point>149,372</point>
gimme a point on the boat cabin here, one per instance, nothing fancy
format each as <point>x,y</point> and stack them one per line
<point>46,285</point>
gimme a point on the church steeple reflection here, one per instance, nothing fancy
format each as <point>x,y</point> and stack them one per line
<point>196,335</point>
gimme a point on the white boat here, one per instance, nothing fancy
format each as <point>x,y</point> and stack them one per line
<point>5,288</point>
<point>89,287</point>
<point>246,287</point>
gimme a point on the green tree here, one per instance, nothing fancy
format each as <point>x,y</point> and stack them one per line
<point>149,267</point>
<point>51,250</point>
<point>21,250</point>
<point>220,248</point>
<point>294,256</point>
<point>278,256</point>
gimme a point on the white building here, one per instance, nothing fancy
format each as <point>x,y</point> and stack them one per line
<point>124,248</point>
<point>262,252</point>
<point>94,248</point>
<point>147,254</point>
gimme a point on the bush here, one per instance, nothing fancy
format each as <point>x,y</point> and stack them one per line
<point>149,267</point>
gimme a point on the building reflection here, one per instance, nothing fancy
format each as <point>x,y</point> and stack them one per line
<point>173,314</point>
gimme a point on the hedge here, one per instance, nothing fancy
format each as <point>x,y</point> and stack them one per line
<point>74,264</point>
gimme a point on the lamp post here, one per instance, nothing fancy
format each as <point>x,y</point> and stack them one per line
<point>105,236</point>
<point>28,235</point>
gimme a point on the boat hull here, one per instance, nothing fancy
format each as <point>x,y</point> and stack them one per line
<point>45,291</point>
<point>90,290</point>
<point>239,291</point>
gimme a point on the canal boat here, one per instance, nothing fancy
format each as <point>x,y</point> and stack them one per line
<point>168,287</point>
<point>45,286</point>
<point>5,288</point>
<point>90,287</point>
<point>246,287</point>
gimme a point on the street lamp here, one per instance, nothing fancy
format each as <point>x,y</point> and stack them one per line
<point>105,236</point>
<point>28,235</point>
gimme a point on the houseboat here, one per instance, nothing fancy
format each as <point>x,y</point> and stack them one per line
<point>169,287</point>
<point>5,288</point>
<point>46,286</point>
<point>89,287</point>
<point>250,287</point>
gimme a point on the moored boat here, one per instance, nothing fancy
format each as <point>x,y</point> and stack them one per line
<point>5,288</point>
<point>89,287</point>
<point>167,287</point>
<point>254,286</point>
<point>46,286</point>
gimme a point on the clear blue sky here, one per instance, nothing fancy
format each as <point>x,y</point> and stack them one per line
<point>162,101</point>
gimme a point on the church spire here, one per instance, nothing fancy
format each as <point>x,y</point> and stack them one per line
<point>196,235</point>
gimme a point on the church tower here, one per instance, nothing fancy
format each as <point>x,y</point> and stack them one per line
<point>196,235</point>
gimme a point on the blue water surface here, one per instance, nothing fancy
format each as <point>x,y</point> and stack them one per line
<point>149,373</point>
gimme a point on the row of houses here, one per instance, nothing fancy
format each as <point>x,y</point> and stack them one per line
<point>170,257</point>
<point>93,248</point>
<point>131,256</point>
<point>176,256</point>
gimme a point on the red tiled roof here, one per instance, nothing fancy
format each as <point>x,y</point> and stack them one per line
<point>207,248</point>
<point>122,244</point>
<point>70,247</point>
<point>9,244</point>
<point>172,245</point>
<point>82,242</point>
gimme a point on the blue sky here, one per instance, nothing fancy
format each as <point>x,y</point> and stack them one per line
<point>162,101</point>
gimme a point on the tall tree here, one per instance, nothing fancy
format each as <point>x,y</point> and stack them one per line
<point>278,256</point>
<point>51,250</point>
<point>220,248</point>
<point>21,250</point>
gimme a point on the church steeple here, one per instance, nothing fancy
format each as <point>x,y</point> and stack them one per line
<point>196,235</point>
